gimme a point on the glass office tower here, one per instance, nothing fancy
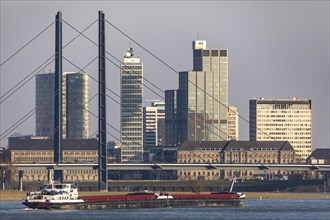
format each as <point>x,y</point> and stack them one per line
<point>203,100</point>
<point>75,95</point>
<point>77,106</point>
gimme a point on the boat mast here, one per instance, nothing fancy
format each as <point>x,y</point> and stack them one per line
<point>232,185</point>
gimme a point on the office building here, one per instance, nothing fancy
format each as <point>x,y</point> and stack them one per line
<point>75,107</point>
<point>283,120</point>
<point>154,124</point>
<point>203,97</point>
<point>172,125</point>
<point>45,86</point>
<point>232,123</point>
<point>131,108</point>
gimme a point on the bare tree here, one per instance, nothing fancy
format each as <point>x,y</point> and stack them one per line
<point>7,171</point>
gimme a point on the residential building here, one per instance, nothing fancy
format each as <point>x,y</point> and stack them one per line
<point>203,97</point>
<point>232,123</point>
<point>154,124</point>
<point>131,108</point>
<point>283,120</point>
<point>319,156</point>
<point>75,106</point>
<point>234,152</point>
<point>40,150</point>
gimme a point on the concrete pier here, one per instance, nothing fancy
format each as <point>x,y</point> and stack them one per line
<point>20,180</point>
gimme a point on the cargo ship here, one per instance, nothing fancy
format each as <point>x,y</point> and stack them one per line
<point>65,197</point>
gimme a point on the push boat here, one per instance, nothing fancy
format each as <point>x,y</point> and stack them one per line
<point>65,197</point>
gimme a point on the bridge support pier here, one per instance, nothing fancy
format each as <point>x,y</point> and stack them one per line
<point>327,178</point>
<point>49,174</point>
<point>20,180</point>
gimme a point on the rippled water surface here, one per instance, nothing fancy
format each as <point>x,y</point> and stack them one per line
<point>253,209</point>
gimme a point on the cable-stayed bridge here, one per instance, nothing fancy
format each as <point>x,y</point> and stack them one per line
<point>58,166</point>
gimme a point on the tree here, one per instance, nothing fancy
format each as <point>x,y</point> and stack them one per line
<point>7,171</point>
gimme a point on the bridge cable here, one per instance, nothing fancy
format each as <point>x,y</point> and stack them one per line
<point>27,43</point>
<point>162,62</point>
<point>51,133</point>
<point>177,72</point>
<point>133,71</point>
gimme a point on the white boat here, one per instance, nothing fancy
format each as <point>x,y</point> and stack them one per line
<point>53,193</point>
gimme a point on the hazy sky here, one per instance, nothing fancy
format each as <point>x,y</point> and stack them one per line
<point>276,49</point>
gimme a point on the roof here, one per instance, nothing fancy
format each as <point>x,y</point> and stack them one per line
<point>228,145</point>
<point>321,153</point>
<point>190,145</point>
<point>246,145</point>
<point>48,144</point>
<point>282,101</point>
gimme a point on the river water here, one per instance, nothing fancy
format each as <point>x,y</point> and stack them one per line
<point>253,209</point>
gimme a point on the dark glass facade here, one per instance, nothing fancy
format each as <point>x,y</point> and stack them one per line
<point>172,136</point>
<point>75,95</point>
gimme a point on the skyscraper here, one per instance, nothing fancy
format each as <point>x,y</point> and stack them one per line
<point>131,108</point>
<point>283,119</point>
<point>77,105</point>
<point>203,98</point>
<point>172,134</point>
<point>45,85</point>
<point>75,94</point>
<point>154,124</point>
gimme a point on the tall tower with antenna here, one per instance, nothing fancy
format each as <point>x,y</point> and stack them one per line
<point>131,108</point>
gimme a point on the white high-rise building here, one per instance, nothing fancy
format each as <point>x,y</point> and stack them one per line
<point>131,108</point>
<point>284,120</point>
<point>232,123</point>
<point>154,124</point>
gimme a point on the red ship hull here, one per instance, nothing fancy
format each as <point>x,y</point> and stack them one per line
<point>145,200</point>
<point>151,201</point>
<point>37,205</point>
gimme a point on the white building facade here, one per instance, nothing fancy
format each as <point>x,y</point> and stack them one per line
<point>232,123</point>
<point>285,120</point>
<point>154,124</point>
<point>131,108</point>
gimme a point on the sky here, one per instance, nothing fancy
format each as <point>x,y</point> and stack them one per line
<point>276,49</point>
